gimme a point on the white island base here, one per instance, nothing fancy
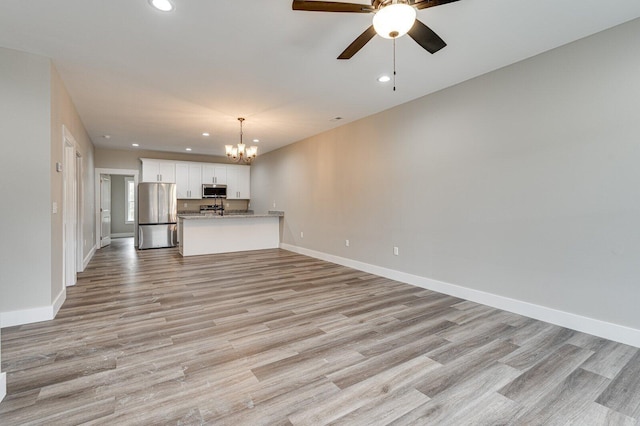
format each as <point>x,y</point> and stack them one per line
<point>224,234</point>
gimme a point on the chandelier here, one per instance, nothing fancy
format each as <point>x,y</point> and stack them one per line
<point>241,152</point>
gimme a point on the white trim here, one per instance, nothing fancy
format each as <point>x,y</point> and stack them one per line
<point>69,209</point>
<point>128,179</point>
<point>607,330</point>
<point>3,386</point>
<point>80,213</point>
<point>31,315</point>
<point>88,257</point>
<point>57,303</point>
<point>26,316</point>
<point>122,235</point>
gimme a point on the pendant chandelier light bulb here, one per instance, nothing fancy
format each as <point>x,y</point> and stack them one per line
<point>394,20</point>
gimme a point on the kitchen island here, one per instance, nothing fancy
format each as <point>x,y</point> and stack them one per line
<point>212,233</point>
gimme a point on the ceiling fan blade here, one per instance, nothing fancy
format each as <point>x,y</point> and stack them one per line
<point>329,6</point>
<point>426,38</point>
<point>430,3</point>
<point>358,43</point>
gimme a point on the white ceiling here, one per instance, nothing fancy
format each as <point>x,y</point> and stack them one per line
<point>161,79</point>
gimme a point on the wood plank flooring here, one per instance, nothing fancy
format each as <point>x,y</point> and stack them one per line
<point>275,338</point>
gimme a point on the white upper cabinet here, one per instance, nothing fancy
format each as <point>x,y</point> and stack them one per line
<point>214,173</point>
<point>158,171</point>
<point>238,182</point>
<point>189,181</point>
<point>190,175</point>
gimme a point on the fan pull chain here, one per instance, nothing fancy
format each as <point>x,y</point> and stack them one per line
<point>394,64</point>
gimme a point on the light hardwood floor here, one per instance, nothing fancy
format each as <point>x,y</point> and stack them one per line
<point>272,337</point>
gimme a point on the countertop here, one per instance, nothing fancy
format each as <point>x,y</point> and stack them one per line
<point>201,216</point>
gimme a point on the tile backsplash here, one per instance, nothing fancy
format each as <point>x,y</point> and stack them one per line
<point>194,205</point>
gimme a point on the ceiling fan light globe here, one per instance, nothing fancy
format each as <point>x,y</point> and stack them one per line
<point>394,21</point>
<point>162,5</point>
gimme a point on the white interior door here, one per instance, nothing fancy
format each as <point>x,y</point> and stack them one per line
<point>70,209</point>
<point>105,210</point>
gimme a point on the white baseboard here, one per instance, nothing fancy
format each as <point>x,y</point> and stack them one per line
<point>607,330</point>
<point>57,303</point>
<point>122,235</point>
<point>26,316</point>
<point>31,315</point>
<point>88,258</point>
<point>3,386</point>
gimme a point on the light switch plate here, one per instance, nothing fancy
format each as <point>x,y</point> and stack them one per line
<point>54,207</point>
<point>58,167</point>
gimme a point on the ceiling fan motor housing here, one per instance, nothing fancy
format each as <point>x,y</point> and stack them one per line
<point>378,4</point>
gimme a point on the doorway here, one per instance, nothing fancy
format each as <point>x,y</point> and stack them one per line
<point>105,210</point>
<point>117,207</point>
<point>121,203</point>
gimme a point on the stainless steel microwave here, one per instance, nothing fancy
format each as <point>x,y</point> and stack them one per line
<point>214,191</point>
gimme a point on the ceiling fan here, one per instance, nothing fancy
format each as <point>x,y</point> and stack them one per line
<point>391,19</point>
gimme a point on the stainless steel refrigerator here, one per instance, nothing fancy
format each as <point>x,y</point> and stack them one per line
<point>157,215</point>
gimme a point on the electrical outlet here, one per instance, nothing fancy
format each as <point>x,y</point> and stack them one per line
<point>274,204</point>
<point>301,234</point>
<point>346,243</point>
<point>396,252</point>
<point>185,205</point>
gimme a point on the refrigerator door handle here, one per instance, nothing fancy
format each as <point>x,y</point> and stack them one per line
<point>140,237</point>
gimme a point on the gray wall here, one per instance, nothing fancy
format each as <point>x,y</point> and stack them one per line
<point>118,205</point>
<point>523,183</point>
<point>130,158</point>
<point>33,108</point>
<point>25,246</point>
<point>25,103</point>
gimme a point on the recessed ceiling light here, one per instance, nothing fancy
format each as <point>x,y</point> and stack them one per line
<point>256,140</point>
<point>384,79</point>
<point>135,144</point>
<point>187,149</point>
<point>106,136</point>
<point>162,5</point>
<point>205,134</point>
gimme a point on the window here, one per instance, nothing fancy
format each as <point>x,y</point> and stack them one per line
<point>129,199</point>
